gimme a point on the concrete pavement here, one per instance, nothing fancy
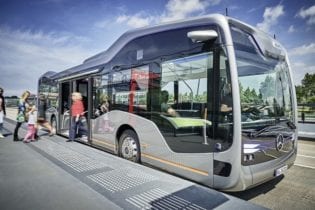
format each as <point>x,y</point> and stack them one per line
<point>54,174</point>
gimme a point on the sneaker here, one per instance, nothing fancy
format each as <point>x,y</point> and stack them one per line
<point>53,132</point>
<point>84,139</point>
<point>1,136</point>
<point>27,141</point>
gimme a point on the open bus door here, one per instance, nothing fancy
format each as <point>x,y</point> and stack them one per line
<point>64,108</point>
<point>83,86</point>
<point>66,89</point>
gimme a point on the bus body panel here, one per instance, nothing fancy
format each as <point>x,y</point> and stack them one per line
<point>226,165</point>
<point>155,151</point>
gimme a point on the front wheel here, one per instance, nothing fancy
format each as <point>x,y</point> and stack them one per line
<point>129,147</point>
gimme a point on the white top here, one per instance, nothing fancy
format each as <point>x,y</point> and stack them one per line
<point>32,118</point>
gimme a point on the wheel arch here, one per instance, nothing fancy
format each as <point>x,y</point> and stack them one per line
<point>121,130</point>
<point>119,133</point>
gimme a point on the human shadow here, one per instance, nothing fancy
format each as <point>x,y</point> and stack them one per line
<point>258,190</point>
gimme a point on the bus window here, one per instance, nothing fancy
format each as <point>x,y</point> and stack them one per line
<point>101,106</point>
<point>183,100</point>
<point>224,128</point>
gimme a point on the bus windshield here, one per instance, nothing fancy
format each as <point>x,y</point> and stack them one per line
<point>265,87</point>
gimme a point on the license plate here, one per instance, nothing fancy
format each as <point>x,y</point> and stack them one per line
<point>281,170</point>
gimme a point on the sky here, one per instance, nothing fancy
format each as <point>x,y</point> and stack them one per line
<point>37,36</point>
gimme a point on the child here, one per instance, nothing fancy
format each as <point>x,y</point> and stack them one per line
<point>31,129</point>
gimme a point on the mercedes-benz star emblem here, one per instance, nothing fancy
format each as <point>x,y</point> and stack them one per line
<point>279,142</point>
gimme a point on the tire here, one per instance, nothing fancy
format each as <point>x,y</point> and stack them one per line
<point>129,147</point>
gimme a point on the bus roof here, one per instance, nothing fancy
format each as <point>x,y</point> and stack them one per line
<point>96,63</point>
<point>48,74</point>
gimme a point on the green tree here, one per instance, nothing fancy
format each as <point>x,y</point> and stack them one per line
<point>305,92</point>
<point>267,88</point>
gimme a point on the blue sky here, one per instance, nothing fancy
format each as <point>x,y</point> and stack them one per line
<point>43,35</point>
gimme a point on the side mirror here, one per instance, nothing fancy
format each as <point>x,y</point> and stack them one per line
<point>201,36</point>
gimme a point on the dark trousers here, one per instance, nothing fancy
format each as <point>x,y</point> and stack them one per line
<point>76,128</point>
<point>16,131</point>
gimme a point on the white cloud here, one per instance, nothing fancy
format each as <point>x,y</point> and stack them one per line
<point>299,70</point>
<point>291,29</point>
<point>174,10</point>
<point>25,55</point>
<point>179,9</point>
<point>303,50</point>
<point>271,16</point>
<point>308,14</point>
<point>136,21</point>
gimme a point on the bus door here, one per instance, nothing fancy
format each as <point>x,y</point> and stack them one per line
<point>83,86</point>
<point>64,108</point>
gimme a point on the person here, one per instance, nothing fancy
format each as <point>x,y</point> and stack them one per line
<point>41,119</point>
<point>23,104</point>
<point>105,105</point>
<point>164,106</point>
<point>104,110</point>
<point>303,116</point>
<point>77,111</point>
<point>31,124</point>
<point>2,112</point>
<point>226,100</point>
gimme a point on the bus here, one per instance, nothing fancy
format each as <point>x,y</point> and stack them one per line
<point>210,99</point>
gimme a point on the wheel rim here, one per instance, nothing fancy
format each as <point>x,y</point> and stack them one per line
<point>129,149</point>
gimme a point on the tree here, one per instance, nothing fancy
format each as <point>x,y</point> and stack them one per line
<point>267,88</point>
<point>305,92</point>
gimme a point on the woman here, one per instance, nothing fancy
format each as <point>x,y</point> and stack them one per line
<point>23,104</point>
<point>2,112</point>
<point>77,111</point>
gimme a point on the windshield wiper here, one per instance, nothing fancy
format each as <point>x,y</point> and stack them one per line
<point>254,133</point>
<point>291,124</point>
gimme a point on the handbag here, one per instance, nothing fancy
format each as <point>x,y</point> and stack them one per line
<point>20,117</point>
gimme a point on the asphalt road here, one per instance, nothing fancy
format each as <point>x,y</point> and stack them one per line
<point>294,190</point>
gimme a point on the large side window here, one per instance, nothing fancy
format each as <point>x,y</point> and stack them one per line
<point>223,125</point>
<point>129,89</point>
<point>100,95</point>
<point>183,116</point>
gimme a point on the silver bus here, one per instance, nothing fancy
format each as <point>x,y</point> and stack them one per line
<point>210,99</point>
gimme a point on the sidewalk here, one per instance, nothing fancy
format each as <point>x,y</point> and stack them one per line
<point>53,174</point>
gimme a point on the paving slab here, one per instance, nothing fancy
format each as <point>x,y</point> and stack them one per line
<point>54,174</point>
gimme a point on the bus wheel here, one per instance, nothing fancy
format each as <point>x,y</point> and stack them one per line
<point>129,146</point>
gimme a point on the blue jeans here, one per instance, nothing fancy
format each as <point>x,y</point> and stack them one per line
<point>76,128</point>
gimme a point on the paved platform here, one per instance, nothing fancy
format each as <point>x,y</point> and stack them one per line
<point>54,174</point>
